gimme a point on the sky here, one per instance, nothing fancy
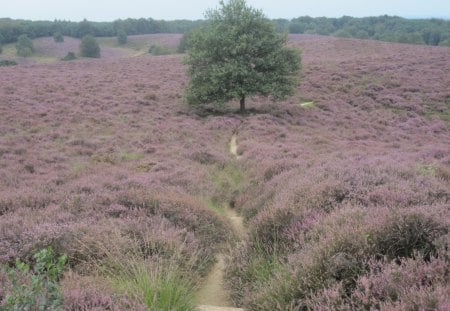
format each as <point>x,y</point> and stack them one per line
<point>109,10</point>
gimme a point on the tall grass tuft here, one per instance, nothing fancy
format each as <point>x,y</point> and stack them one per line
<point>158,286</point>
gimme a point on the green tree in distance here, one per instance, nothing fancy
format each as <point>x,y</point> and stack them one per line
<point>122,36</point>
<point>24,46</point>
<point>58,37</point>
<point>239,54</point>
<point>89,47</point>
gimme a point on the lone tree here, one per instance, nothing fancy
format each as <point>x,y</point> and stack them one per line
<point>122,36</point>
<point>24,46</point>
<point>58,37</point>
<point>239,54</point>
<point>89,47</point>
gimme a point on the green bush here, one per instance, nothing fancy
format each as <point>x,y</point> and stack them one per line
<point>89,47</point>
<point>58,37</point>
<point>37,289</point>
<point>69,56</point>
<point>122,36</point>
<point>184,42</point>
<point>5,63</point>
<point>24,46</point>
<point>157,49</point>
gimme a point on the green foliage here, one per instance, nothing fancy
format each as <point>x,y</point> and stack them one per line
<point>185,42</point>
<point>159,288</point>
<point>37,289</point>
<point>157,49</point>
<point>89,47</point>
<point>122,36</point>
<point>239,54</point>
<point>385,28</point>
<point>58,37</point>
<point>24,46</point>
<point>229,181</point>
<point>69,56</point>
<point>5,63</point>
<point>1,48</point>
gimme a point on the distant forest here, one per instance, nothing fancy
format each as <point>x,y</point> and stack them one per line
<point>385,28</point>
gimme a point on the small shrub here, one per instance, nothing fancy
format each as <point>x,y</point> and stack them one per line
<point>122,37</point>
<point>69,56</point>
<point>37,289</point>
<point>24,46</point>
<point>157,49</point>
<point>58,37</point>
<point>5,63</point>
<point>89,47</point>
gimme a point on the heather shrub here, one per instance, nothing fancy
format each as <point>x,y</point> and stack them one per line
<point>35,289</point>
<point>24,46</point>
<point>335,253</point>
<point>93,293</point>
<point>89,47</point>
<point>182,211</point>
<point>91,299</point>
<point>404,232</point>
<point>412,284</point>
<point>139,236</point>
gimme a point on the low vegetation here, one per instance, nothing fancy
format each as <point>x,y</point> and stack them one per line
<point>5,63</point>
<point>344,186</point>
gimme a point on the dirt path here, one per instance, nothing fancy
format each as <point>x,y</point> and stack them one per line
<point>213,296</point>
<point>233,146</point>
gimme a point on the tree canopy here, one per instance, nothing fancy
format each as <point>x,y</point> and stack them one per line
<point>24,46</point>
<point>89,47</point>
<point>239,54</point>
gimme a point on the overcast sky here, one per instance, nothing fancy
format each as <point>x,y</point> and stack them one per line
<point>109,10</point>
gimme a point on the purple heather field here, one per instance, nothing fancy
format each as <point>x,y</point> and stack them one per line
<point>344,187</point>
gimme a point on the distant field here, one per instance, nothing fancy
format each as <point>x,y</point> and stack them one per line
<point>48,51</point>
<point>344,187</point>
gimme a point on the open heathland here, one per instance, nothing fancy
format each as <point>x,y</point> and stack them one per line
<point>344,187</point>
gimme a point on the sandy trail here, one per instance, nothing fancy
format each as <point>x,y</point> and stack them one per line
<point>234,146</point>
<point>213,296</point>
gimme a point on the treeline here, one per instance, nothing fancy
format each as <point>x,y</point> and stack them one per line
<point>11,29</point>
<point>385,28</point>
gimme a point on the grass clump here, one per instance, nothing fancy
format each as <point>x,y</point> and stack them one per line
<point>158,286</point>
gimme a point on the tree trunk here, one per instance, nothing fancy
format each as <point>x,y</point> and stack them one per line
<point>242,104</point>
